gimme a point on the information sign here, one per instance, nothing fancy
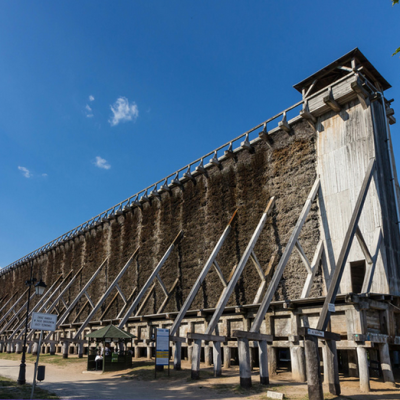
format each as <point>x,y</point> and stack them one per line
<point>162,347</point>
<point>315,332</point>
<point>331,307</point>
<point>44,322</point>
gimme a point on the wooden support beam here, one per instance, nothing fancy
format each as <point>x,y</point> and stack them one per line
<point>149,281</point>
<point>219,273</point>
<point>362,94</point>
<point>205,337</point>
<point>89,299</point>
<point>145,300</point>
<point>108,306</point>
<point>284,124</point>
<point>164,289</point>
<point>121,293</point>
<point>314,267</point>
<point>338,272</point>
<point>303,256</point>
<point>66,313</point>
<point>252,335</point>
<point>259,318</point>
<point>175,326</point>
<point>331,102</point>
<point>370,268</point>
<point>238,271</point>
<point>106,294</point>
<point>164,303</point>
<point>80,311</point>
<point>363,245</point>
<point>12,308</point>
<point>127,302</point>
<point>9,300</point>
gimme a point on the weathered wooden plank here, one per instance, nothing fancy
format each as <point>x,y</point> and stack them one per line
<point>314,268</point>
<point>252,335</point>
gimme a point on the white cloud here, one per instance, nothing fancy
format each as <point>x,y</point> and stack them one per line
<point>102,163</point>
<point>25,172</point>
<point>44,175</point>
<point>91,98</point>
<point>89,111</point>
<point>123,111</point>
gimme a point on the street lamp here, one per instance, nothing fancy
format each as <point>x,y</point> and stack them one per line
<point>39,290</point>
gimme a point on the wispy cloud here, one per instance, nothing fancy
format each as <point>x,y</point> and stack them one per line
<point>25,172</point>
<point>102,163</point>
<point>91,97</point>
<point>123,111</point>
<point>44,175</point>
<point>89,111</point>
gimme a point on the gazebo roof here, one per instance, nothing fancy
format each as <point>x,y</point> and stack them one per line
<point>111,332</point>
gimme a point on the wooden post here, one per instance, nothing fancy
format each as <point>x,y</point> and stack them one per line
<point>148,352</point>
<point>313,369</point>
<point>364,371</point>
<point>196,352</point>
<point>272,361</point>
<point>190,354</point>
<point>35,349</point>
<point>227,356</point>
<point>386,365</point>
<point>29,348</point>
<point>353,365</point>
<point>1,347</point>
<point>18,347</point>
<point>65,348</point>
<point>80,350</point>
<point>263,360</point>
<point>298,363</point>
<point>244,362</point>
<point>331,367</point>
<point>177,355</point>
<point>52,348</point>
<point>208,355</point>
<point>217,358</point>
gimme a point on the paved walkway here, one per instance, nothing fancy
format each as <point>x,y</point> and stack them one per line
<point>73,384</point>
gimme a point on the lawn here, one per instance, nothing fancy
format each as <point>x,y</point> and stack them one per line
<point>45,359</point>
<point>10,389</point>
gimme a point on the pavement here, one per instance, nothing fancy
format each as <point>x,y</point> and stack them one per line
<point>72,383</point>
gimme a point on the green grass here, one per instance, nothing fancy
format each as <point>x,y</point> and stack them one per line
<point>10,389</point>
<point>45,359</point>
<point>144,371</point>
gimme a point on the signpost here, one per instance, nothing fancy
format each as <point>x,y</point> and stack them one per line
<point>162,349</point>
<point>42,322</point>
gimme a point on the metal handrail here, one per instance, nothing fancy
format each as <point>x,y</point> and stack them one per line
<point>135,200</point>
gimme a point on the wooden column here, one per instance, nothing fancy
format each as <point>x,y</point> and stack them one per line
<point>18,347</point>
<point>298,363</point>
<point>177,355</point>
<point>353,366</point>
<point>272,361</point>
<point>331,367</point>
<point>208,355</point>
<point>1,347</point>
<point>137,352</point>
<point>263,360</point>
<point>386,365</point>
<point>217,358</point>
<point>80,350</point>
<point>227,356</point>
<point>65,348</point>
<point>52,348</point>
<point>35,348</point>
<point>29,349</point>
<point>190,354</point>
<point>244,362</point>
<point>196,352</point>
<point>148,352</point>
<point>313,369</point>
<point>364,370</point>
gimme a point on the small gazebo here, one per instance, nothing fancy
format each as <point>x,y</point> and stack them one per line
<point>118,359</point>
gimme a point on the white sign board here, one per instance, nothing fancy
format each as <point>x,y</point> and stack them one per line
<point>314,332</point>
<point>162,347</point>
<point>331,307</point>
<point>44,322</point>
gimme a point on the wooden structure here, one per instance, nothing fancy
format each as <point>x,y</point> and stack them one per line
<point>318,269</point>
<point>119,358</point>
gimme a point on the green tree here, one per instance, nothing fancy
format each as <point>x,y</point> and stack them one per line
<point>398,49</point>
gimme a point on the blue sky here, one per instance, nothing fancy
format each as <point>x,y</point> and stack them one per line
<point>99,99</point>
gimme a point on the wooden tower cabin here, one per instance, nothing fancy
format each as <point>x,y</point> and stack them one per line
<point>279,249</point>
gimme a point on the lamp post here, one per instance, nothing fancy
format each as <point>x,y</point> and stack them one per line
<point>39,290</point>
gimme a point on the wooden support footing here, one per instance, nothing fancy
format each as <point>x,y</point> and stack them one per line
<point>313,369</point>
<point>263,360</point>
<point>196,352</point>
<point>244,362</point>
<point>177,356</point>
<point>364,370</point>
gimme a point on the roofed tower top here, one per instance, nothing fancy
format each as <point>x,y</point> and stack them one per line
<point>353,60</point>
